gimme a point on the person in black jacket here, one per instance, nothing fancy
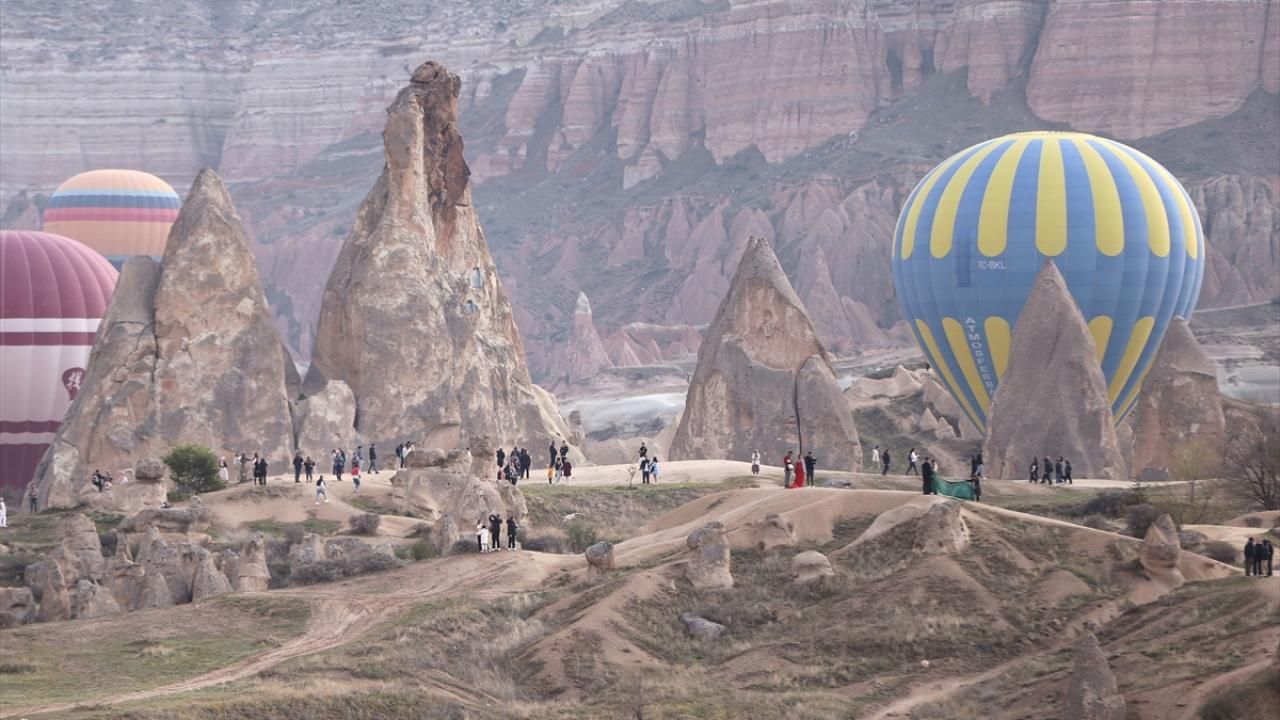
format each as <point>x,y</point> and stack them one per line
<point>1066,472</point>
<point>926,476</point>
<point>502,458</point>
<point>1035,470</point>
<point>810,463</point>
<point>373,459</point>
<point>525,461</point>
<point>1270,553</point>
<point>297,466</point>
<point>495,532</point>
<point>511,532</point>
<point>884,460</point>
<point>1249,550</point>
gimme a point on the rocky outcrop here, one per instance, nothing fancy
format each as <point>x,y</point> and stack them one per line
<point>702,628</point>
<point>92,600</point>
<point>600,558</point>
<point>583,354</point>
<point>325,420</point>
<point>460,485</point>
<point>1092,693</point>
<point>17,606</point>
<point>207,580</point>
<point>771,532</point>
<point>810,566</point>
<point>1052,364</point>
<point>1179,413</point>
<point>247,570</point>
<point>1241,219</point>
<point>414,318</point>
<point>763,378</point>
<point>1161,550</point>
<point>708,567</point>
<point>649,344</point>
<point>941,530</point>
<point>187,353</point>
<point>445,534</point>
<point>172,520</point>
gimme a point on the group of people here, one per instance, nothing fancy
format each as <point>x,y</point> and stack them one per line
<point>559,466</point>
<point>258,464</point>
<point>403,450</point>
<point>1256,554</point>
<point>102,481</point>
<point>794,475</point>
<point>489,537</point>
<point>1050,472</point>
<point>649,468</point>
<point>514,466</point>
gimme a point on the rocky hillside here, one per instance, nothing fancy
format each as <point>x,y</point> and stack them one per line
<point>627,149</point>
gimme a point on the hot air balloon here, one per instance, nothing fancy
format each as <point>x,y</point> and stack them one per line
<point>53,293</point>
<point>119,213</point>
<point>974,232</point>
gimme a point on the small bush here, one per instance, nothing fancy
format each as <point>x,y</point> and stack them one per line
<point>422,550</point>
<point>1190,539</point>
<point>1253,521</point>
<point>421,530</point>
<point>280,574</point>
<point>1112,503</point>
<point>293,534</point>
<point>582,535</point>
<point>554,544</point>
<point>1097,522</point>
<point>194,469</point>
<point>108,541</point>
<point>1139,519</point>
<point>1220,550</point>
<point>365,523</point>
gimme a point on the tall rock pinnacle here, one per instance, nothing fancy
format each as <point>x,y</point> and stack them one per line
<point>187,353</point>
<point>584,354</point>
<point>414,319</point>
<point>1052,398</point>
<point>763,379</point>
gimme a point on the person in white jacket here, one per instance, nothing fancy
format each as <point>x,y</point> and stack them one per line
<point>4,514</point>
<point>482,537</point>
<point>755,462</point>
<point>321,491</point>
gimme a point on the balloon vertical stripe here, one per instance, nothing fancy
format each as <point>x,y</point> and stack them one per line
<point>964,358</point>
<point>1107,212</point>
<point>1137,338</point>
<point>993,216</point>
<point>944,220</point>
<point>922,196</point>
<point>938,361</point>
<point>1051,203</point>
<point>999,337</point>
<point>1100,329</point>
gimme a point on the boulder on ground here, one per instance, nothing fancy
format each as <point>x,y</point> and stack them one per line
<point>79,538</point>
<point>251,573</point>
<point>702,628</point>
<point>600,558</point>
<point>1161,549</point>
<point>17,606</point>
<point>445,534</point>
<point>149,469</point>
<point>708,567</point>
<point>810,566</point>
<point>92,600</point>
<point>771,532</point>
<point>326,419</point>
<point>1052,397</point>
<point>55,600</point>
<point>1092,693</point>
<point>180,521</point>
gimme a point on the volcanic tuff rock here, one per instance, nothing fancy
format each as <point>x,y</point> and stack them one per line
<point>708,567</point>
<point>1161,549</point>
<point>600,558</point>
<point>583,354</point>
<point>414,318</point>
<point>763,379</point>
<point>1052,397</point>
<point>1180,408</point>
<point>941,530</point>
<point>187,353</point>
<point>461,485</point>
<point>810,566</point>
<point>1092,693</point>
<point>326,420</point>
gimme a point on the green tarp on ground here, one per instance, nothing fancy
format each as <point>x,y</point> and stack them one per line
<point>962,489</point>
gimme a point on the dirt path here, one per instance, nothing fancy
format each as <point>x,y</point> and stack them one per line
<point>342,613</point>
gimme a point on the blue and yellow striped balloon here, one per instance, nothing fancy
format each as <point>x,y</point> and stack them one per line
<point>976,230</point>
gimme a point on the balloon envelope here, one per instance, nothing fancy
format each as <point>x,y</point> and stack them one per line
<point>119,213</point>
<point>974,232</point>
<point>53,294</point>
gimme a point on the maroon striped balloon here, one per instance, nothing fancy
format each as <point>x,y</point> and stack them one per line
<point>53,293</point>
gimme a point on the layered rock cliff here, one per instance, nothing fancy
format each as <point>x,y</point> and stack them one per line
<point>414,319</point>
<point>617,144</point>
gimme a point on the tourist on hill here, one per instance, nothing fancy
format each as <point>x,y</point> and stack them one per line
<point>256,464</point>
<point>800,475</point>
<point>243,460</point>
<point>1046,471</point>
<point>977,486</point>
<point>495,531</point>
<point>400,455</point>
<point>526,461</point>
<point>309,466</point>
<point>321,491</point>
<point>884,461</point>
<point>981,468</point>
<point>926,476</point>
<point>786,470</point>
<point>566,468</point>
<point>482,537</point>
<point>875,457</point>
<point>355,475</point>
<point>911,461</point>
<point>810,466</point>
<point>644,451</point>
<point>1266,544</point>
<point>564,449</point>
<point>551,472</point>
<point>333,463</point>
<point>552,450</point>
<point>653,469</point>
<point>644,470</point>
<point>224,472</point>
<point>1066,472</point>
<point>1057,470</point>
<point>373,459</point>
<point>755,461</point>
<point>4,514</point>
<point>297,465</point>
<point>502,458</point>
<point>1259,554</point>
<point>1035,470</point>
<point>1249,550</point>
<point>511,532</point>
<point>34,500</point>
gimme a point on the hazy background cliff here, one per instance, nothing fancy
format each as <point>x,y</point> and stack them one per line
<point>627,149</point>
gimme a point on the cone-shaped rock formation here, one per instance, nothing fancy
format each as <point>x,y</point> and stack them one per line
<point>187,353</point>
<point>763,379</point>
<point>1092,693</point>
<point>585,354</point>
<point>1180,407</point>
<point>1052,398</point>
<point>414,319</point>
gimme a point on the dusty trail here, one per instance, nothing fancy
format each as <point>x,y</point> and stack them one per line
<point>343,613</point>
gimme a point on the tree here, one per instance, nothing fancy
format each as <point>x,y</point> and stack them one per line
<point>194,469</point>
<point>1253,461</point>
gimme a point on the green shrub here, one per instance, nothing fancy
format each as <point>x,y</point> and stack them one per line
<point>1220,550</point>
<point>194,469</point>
<point>1139,519</point>
<point>365,523</point>
<point>422,550</point>
<point>1112,503</point>
<point>582,535</point>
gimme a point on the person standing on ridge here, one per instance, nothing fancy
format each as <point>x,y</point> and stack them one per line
<point>224,473</point>
<point>1066,472</point>
<point>644,470</point>
<point>526,460</point>
<point>799,480</point>
<point>564,449</point>
<point>755,461</point>
<point>495,531</point>
<point>552,449</point>
<point>400,455</point>
<point>1057,470</point>
<point>911,462</point>
<point>1046,471</point>
<point>1249,550</point>
<point>926,476</point>
<point>1035,470</point>
<point>482,537</point>
<point>786,470</point>
<point>297,466</point>
<point>566,468</point>
<point>875,457</point>
<point>1269,554</point>
<point>810,466</point>
<point>373,459</point>
<point>884,460</point>
<point>511,532</point>
<point>653,469</point>
<point>644,451</point>
<point>502,457</point>
<point>309,466</point>
<point>1259,554</point>
<point>34,499</point>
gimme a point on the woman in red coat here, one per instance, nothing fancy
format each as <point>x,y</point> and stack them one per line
<point>799,481</point>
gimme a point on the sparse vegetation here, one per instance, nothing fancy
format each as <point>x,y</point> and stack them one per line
<point>1253,461</point>
<point>194,470</point>
<point>365,523</point>
<point>1219,550</point>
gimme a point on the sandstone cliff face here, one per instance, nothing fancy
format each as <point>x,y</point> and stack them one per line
<point>187,353</point>
<point>763,379</point>
<point>1180,408</point>
<point>415,320</point>
<point>583,354</point>
<point>1052,398</point>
